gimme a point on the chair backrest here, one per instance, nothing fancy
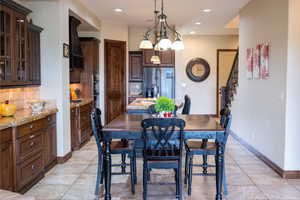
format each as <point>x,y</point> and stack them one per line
<point>97,126</point>
<point>161,134</point>
<point>187,105</point>
<point>151,109</point>
<point>225,121</point>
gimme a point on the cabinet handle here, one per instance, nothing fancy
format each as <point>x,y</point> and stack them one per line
<point>31,144</point>
<point>49,118</point>
<point>31,126</point>
<point>33,166</point>
<point>32,136</point>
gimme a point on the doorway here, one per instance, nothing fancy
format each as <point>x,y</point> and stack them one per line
<point>225,60</point>
<point>115,79</point>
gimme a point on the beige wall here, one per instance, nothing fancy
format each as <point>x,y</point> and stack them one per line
<point>259,105</point>
<point>135,35</point>
<point>203,94</point>
<point>292,148</point>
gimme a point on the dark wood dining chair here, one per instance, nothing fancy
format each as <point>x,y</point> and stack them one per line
<point>162,149</point>
<point>205,149</point>
<point>187,105</point>
<point>122,147</point>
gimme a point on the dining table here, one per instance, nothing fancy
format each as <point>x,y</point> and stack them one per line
<point>198,126</point>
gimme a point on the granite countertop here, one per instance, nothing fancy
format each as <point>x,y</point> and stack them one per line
<point>24,116</point>
<point>141,104</point>
<point>82,103</point>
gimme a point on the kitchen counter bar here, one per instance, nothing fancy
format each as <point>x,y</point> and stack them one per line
<point>24,116</point>
<point>141,104</point>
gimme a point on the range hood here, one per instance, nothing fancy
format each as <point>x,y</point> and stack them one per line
<point>76,56</point>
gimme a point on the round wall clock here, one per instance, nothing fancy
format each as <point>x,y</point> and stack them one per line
<point>198,69</point>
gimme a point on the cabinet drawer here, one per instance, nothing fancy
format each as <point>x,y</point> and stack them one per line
<point>5,135</point>
<point>29,170</point>
<point>29,145</point>
<point>30,127</point>
<point>51,119</point>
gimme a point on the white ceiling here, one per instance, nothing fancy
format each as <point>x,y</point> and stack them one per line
<point>182,13</point>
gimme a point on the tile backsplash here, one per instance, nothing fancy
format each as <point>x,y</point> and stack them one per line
<point>19,96</point>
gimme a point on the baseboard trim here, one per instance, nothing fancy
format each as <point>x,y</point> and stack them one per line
<point>284,174</point>
<point>65,158</point>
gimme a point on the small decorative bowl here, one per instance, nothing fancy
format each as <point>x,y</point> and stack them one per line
<point>37,106</point>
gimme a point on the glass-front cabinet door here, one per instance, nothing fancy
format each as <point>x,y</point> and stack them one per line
<point>20,35</point>
<point>6,43</point>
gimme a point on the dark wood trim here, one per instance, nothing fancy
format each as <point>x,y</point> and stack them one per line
<point>105,73</point>
<point>65,158</point>
<point>15,6</point>
<point>217,85</point>
<point>89,39</point>
<point>35,28</point>
<point>284,174</point>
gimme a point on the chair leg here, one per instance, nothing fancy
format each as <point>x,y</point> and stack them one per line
<point>225,182</point>
<point>123,167</point>
<point>135,171</point>
<point>186,167</point>
<point>99,174</point>
<point>176,182</point>
<point>204,164</point>
<point>145,178</point>
<point>204,145</point>
<point>132,174</point>
<point>180,182</point>
<point>190,175</point>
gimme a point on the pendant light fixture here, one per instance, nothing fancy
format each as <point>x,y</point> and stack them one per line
<point>160,33</point>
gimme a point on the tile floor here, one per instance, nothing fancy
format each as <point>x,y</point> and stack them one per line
<point>248,179</point>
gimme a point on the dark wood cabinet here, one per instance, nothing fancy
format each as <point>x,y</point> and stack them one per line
<point>147,55</point>
<point>50,152</point>
<point>135,66</point>
<point>81,129</point>
<point>34,54</point>
<point>6,157</point>
<point>19,54</point>
<point>167,58</point>
<point>74,129</point>
<point>89,76</point>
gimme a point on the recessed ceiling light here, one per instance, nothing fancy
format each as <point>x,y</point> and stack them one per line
<point>198,23</point>
<point>206,10</point>
<point>118,10</point>
<point>192,32</point>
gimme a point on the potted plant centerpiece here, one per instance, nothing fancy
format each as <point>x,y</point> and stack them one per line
<point>164,106</point>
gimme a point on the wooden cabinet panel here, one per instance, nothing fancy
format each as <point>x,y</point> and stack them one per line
<point>30,128</point>
<point>34,54</point>
<point>29,145</point>
<point>29,170</point>
<point>135,66</point>
<point>167,58</point>
<point>147,55</point>
<point>50,145</point>
<point>6,160</point>
<point>74,129</point>
<point>6,41</point>
<point>19,59</point>
<point>81,129</point>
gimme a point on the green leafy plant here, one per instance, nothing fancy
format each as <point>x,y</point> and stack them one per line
<point>164,104</point>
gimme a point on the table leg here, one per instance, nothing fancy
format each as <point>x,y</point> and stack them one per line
<point>107,158</point>
<point>219,169</point>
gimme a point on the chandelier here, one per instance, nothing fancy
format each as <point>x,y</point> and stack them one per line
<point>160,34</point>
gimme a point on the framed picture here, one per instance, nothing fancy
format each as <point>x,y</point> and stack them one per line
<point>66,52</point>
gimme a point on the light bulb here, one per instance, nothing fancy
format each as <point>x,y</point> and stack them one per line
<point>178,45</point>
<point>146,44</point>
<point>165,43</point>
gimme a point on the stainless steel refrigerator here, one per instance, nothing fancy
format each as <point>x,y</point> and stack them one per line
<point>159,81</point>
